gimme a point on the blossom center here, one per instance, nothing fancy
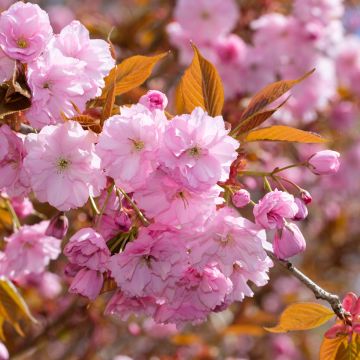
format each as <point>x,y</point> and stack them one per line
<point>205,15</point>
<point>22,43</point>
<point>194,152</point>
<point>138,144</point>
<point>63,164</point>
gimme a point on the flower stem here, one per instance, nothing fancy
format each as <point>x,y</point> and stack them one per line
<point>138,212</point>
<point>109,191</point>
<point>14,217</point>
<point>94,206</point>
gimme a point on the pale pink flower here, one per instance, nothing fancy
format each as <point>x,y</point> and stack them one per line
<point>274,208</point>
<point>74,41</point>
<point>325,162</point>
<point>29,250</point>
<point>236,245</point>
<point>57,83</point>
<point>123,306</point>
<point>13,177</point>
<point>241,198</point>
<point>351,304</point>
<point>4,354</point>
<point>22,206</point>
<point>197,294</point>
<point>87,283</point>
<point>25,31</point>
<point>288,242</point>
<point>63,165</point>
<point>87,248</point>
<point>154,99</point>
<point>7,67</point>
<point>302,212</point>
<point>150,265</point>
<point>174,205</point>
<point>128,145</point>
<point>198,149</point>
<point>206,19</point>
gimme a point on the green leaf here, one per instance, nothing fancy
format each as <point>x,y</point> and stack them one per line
<point>200,86</point>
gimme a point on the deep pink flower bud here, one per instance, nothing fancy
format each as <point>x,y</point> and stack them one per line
<point>87,283</point>
<point>324,162</point>
<point>306,196</point>
<point>154,99</point>
<point>88,248</point>
<point>302,212</point>
<point>288,242</point>
<point>58,226</point>
<point>241,198</point>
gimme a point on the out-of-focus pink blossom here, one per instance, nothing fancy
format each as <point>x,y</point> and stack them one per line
<point>129,143</point>
<point>74,41</point>
<point>288,242</point>
<point>63,165</point>
<point>29,250</point>
<point>274,208</point>
<point>123,306</point>
<point>198,149</point>
<point>283,348</point>
<point>351,304</point>
<point>22,206</point>
<point>4,354</point>
<point>25,31</point>
<point>325,162</point>
<point>7,66</point>
<point>241,198</point>
<point>13,177</point>
<point>58,226</point>
<point>206,19</point>
<point>87,283</point>
<point>60,16</point>
<point>87,248</point>
<point>154,99</point>
<point>302,212</point>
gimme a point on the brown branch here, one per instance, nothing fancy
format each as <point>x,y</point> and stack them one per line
<point>318,291</point>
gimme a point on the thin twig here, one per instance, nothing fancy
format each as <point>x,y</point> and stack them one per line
<point>318,291</point>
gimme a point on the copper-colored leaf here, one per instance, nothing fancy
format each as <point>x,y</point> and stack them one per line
<point>130,73</point>
<point>200,86</point>
<point>283,133</point>
<point>186,339</point>
<point>302,316</point>
<point>12,104</point>
<point>340,348</point>
<point>245,329</point>
<point>13,308</point>
<point>109,101</point>
<point>255,120</point>
<point>269,94</point>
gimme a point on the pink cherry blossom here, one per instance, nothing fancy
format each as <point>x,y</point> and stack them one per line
<point>154,99</point>
<point>149,266</point>
<point>351,304</point>
<point>57,83</point>
<point>172,204</point>
<point>123,306</point>
<point>22,206</point>
<point>63,165</point>
<point>87,283</point>
<point>206,19</point>
<point>74,42</point>
<point>274,208</point>
<point>197,294</point>
<point>24,31</point>
<point>288,242</point>
<point>198,149</point>
<point>87,248</point>
<point>7,67</point>
<point>13,177</point>
<point>29,250</point>
<point>128,145</point>
<point>302,212</point>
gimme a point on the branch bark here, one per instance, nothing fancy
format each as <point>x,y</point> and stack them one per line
<point>318,291</point>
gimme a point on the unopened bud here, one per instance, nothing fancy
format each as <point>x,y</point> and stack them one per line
<point>302,212</point>
<point>324,162</point>
<point>241,198</point>
<point>58,226</point>
<point>306,196</point>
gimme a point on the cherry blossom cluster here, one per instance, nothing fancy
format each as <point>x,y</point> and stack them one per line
<point>166,231</point>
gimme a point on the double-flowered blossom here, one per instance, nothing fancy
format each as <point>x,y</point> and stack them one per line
<point>198,150</point>
<point>63,165</point>
<point>129,143</point>
<point>25,31</point>
<point>29,250</point>
<point>13,177</point>
<point>154,99</point>
<point>274,208</point>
